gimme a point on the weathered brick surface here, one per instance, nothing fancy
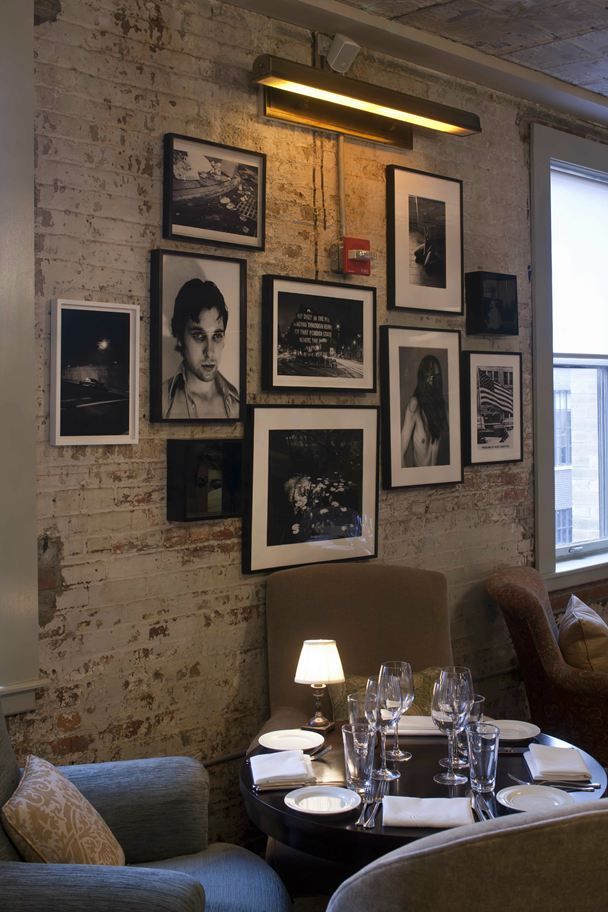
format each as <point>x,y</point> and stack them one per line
<point>151,638</point>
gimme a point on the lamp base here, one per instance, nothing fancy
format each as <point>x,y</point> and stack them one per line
<point>316,725</point>
<point>318,722</point>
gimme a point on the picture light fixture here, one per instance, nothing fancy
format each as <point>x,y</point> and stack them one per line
<point>325,100</point>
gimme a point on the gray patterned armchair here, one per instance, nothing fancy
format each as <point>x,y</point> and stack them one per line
<point>157,809</point>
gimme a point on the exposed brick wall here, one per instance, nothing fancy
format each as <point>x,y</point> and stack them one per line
<point>151,638</point>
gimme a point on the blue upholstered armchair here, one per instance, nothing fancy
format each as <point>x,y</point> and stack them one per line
<point>157,809</point>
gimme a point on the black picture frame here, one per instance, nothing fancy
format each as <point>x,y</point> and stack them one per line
<point>170,400</point>
<point>491,304</point>
<point>414,453</point>
<point>311,485</point>
<point>204,479</point>
<point>318,335</point>
<point>424,241</point>
<point>213,193</point>
<point>493,407</point>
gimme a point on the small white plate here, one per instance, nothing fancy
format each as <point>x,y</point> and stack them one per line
<point>513,730</point>
<point>288,739</point>
<point>322,799</point>
<point>533,797</point>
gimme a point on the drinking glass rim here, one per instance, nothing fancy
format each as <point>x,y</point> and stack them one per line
<point>483,728</point>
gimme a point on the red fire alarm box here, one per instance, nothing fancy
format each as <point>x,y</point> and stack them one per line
<point>356,256</point>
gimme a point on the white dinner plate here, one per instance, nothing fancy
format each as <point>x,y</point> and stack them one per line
<point>533,797</point>
<point>322,799</point>
<point>513,730</point>
<point>291,739</point>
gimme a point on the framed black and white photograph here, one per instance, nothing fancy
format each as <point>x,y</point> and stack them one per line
<point>424,241</point>
<point>493,407</point>
<point>491,304</point>
<point>312,485</point>
<point>204,479</point>
<point>420,371</point>
<point>197,346</point>
<point>94,373</point>
<point>213,194</point>
<point>318,335</point>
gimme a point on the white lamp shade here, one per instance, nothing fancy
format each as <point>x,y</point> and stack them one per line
<point>319,663</point>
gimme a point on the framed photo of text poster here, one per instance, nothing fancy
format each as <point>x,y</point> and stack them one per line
<point>94,373</point>
<point>213,194</point>
<point>197,342</point>
<point>318,335</point>
<point>313,481</point>
<point>424,241</point>
<point>493,407</point>
<point>420,372</point>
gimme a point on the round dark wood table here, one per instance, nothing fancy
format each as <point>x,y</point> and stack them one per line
<point>335,836</point>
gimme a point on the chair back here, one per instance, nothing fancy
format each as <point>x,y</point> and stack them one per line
<point>552,860</point>
<point>374,611</point>
<point>9,779</point>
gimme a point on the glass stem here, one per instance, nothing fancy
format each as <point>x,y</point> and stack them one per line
<point>383,747</point>
<point>396,736</point>
<point>451,753</point>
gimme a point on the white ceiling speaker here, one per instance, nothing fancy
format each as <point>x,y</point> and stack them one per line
<point>341,53</point>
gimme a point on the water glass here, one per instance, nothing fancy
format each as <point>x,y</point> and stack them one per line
<point>355,703</point>
<point>462,750</point>
<point>359,742</point>
<point>483,755</point>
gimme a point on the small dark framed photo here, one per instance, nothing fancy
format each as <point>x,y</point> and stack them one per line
<point>318,335</point>
<point>197,345</point>
<point>94,373</point>
<point>424,241</point>
<point>204,479</point>
<point>492,397</point>
<point>491,304</point>
<point>213,194</point>
<point>420,372</point>
<point>312,485</point>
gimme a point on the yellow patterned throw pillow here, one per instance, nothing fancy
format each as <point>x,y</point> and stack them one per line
<point>49,820</point>
<point>423,692</point>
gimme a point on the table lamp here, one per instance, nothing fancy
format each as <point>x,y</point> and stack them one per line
<point>319,664</point>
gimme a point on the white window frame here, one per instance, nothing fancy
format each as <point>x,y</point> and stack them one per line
<point>551,146</point>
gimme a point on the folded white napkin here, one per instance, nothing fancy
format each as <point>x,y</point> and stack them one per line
<point>417,725</point>
<point>286,768</point>
<point>558,763</point>
<point>426,812</point>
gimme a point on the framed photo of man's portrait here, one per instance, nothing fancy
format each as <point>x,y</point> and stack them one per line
<point>312,480</point>
<point>213,194</point>
<point>420,375</point>
<point>204,479</point>
<point>424,241</point>
<point>94,373</point>
<point>318,335</point>
<point>493,407</point>
<point>197,345</point>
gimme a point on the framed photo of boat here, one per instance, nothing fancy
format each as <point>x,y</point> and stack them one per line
<point>213,194</point>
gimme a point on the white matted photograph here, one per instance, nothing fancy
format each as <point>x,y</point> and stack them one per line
<point>493,407</point>
<point>197,346</point>
<point>94,373</point>
<point>424,241</point>
<point>312,485</point>
<point>318,335</point>
<point>420,372</point>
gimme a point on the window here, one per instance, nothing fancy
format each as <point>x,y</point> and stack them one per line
<point>570,224</point>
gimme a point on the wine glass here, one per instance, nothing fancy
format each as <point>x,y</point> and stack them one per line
<point>403,672</point>
<point>461,754</point>
<point>452,699</point>
<point>387,711</point>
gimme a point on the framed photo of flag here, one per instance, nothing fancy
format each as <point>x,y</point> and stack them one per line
<point>493,407</point>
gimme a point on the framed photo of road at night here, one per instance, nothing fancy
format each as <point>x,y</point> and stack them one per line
<point>424,241</point>
<point>492,396</point>
<point>312,485</point>
<point>318,335</point>
<point>420,382</point>
<point>94,373</point>
<point>213,194</point>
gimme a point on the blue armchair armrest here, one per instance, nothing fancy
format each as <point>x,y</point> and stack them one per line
<point>156,808</point>
<point>95,888</point>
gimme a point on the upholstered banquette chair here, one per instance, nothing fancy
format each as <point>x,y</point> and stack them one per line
<point>157,810</point>
<point>567,702</point>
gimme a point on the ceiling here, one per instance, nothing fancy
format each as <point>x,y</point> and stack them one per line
<point>552,52</point>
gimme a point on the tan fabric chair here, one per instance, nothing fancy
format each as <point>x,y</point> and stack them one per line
<point>549,862</point>
<point>566,702</point>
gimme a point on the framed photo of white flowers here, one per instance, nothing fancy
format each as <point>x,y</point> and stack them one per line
<point>313,480</point>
